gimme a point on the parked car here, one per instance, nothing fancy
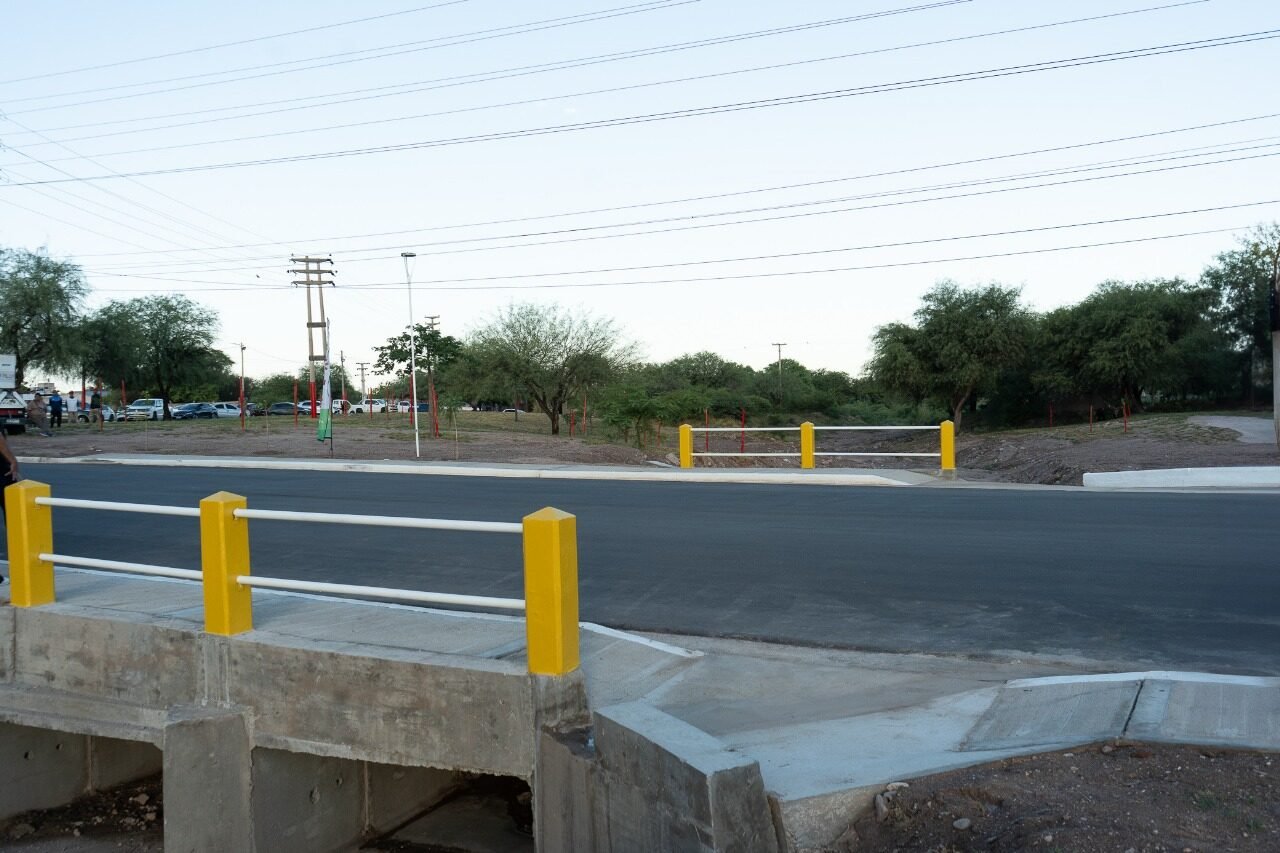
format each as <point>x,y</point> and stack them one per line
<point>404,405</point>
<point>191,411</point>
<point>254,410</point>
<point>282,409</point>
<point>145,409</point>
<point>108,414</point>
<point>377,405</point>
<point>227,410</point>
<point>514,412</point>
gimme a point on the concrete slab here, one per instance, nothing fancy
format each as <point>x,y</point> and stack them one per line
<point>1036,716</point>
<point>1252,430</point>
<point>1223,714</point>
<point>1244,477</point>
<point>470,823</point>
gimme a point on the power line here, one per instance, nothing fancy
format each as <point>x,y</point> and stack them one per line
<point>429,44</point>
<point>979,182</point>
<point>751,191</point>
<point>253,40</point>
<point>964,77</point>
<point>484,107</point>
<point>784,273</point>
<point>559,65</point>
<point>807,253</point>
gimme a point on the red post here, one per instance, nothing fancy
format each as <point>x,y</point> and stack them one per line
<point>1124,407</point>
<point>1091,420</point>
<point>242,404</point>
<point>312,390</point>
<point>295,405</point>
<point>571,413</point>
<point>742,441</point>
<point>584,414</point>
<point>344,401</point>
<point>706,436</point>
<point>1051,416</point>
<point>124,400</point>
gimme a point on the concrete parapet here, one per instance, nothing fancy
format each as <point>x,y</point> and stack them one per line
<point>208,781</point>
<point>670,786</point>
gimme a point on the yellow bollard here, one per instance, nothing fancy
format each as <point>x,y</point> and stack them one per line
<point>551,591</point>
<point>30,532</point>
<point>806,445</point>
<point>948,433</point>
<point>224,556</point>
<point>686,446</point>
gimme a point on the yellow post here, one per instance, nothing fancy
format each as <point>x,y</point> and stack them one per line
<point>948,431</point>
<point>551,591</point>
<point>30,531</point>
<point>806,445</point>
<point>686,446</point>
<point>224,556</point>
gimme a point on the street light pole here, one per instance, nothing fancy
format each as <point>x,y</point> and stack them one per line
<point>413,360</point>
<point>242,387</point>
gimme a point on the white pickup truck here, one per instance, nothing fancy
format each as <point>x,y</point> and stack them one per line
<point>376,405</point>
<point>13,409</point>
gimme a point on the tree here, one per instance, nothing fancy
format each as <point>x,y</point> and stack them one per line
<point>159,342</point>
<point>550,353</point>
<point>1241,281</point>
<point>962,341</point>
<point>433,351</point>
<point>40,302</point>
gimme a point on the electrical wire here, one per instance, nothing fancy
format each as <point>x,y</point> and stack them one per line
<point>964,77</point>
<point>750,191</point>
<point>781,255</point>
<point>254,40</point>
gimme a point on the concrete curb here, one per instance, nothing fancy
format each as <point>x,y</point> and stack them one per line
<point>1260,476</point>
<point>668,475</point>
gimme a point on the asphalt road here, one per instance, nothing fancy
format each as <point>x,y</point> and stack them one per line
<point>1185,581</point>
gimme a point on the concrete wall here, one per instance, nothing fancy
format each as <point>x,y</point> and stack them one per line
<point>641,780</point>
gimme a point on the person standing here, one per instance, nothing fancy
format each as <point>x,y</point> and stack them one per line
<point>55,410</point>
<point>38,415</point>
<point>8,475</point>
<point>95,405</point>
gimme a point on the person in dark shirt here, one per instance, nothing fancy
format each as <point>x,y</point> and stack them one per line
<point>55,410</point>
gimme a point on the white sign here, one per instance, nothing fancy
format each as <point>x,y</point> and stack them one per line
<point>8,370</point>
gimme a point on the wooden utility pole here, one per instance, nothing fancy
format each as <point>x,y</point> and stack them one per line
<point>432,322</point>
<point>779,346</point>
<point>313,271</point>
<point>1274,315</point>
<point>363,365</point>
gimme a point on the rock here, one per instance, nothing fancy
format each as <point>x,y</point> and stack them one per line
<point>1048,838</point>
<point>149,816</point>
<point>896,786</point>
<point>962,824</point>
<point>141,799</point>
<point>22,830</point>
<point>882,808</point>
<point>1107,749</point>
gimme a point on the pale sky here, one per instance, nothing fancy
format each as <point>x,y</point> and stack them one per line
<point>419,75</point>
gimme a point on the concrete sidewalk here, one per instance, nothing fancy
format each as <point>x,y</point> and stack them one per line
<point>655,473</point>
<point>828,728</point>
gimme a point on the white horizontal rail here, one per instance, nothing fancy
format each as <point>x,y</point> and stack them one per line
<point>746,454</point>
<point>745,429</point>
<point>936,455</point>
<point>850,428</point>
<point>382,592</point>
<point>382,520</point>
<point>117,506</point>
<point>120,566</point>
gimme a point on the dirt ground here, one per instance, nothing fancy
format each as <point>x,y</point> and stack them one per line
<point>126,819</point>
<point>1057,456</point>
<point>1105,798</point>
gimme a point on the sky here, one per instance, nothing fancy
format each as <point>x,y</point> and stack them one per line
<point>712,175</point>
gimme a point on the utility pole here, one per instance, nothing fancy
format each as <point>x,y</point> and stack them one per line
<point>413,358</point>
<point>314,272</point>
<point>432,322</point>
<point>363,365</point>
<point>779,346</point>
<point>242,387</point>
<point>342,363</point>
<point>1274,316</point>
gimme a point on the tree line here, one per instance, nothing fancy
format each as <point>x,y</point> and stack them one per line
<point>976,353</point>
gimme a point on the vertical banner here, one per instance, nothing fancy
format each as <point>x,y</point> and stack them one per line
<point>324,427</point>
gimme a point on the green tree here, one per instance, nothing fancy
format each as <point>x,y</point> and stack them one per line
<point>1241,281</point>
<point>434,353</point>
<point>276,388</point>
<point>550,353</point>
<point>161,343</point>
<point>962,341</point>
<point>40,301</point>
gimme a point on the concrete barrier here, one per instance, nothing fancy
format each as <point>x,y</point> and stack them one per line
<point>332,722</point>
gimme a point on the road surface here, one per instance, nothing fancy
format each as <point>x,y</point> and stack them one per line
<point>1186,581</point>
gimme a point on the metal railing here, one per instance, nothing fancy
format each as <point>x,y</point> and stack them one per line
<point>808,453</point>
<point>550,549</point>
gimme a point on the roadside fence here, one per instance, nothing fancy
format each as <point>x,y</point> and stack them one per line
<point>549,537</point>
<point>808,453</point>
